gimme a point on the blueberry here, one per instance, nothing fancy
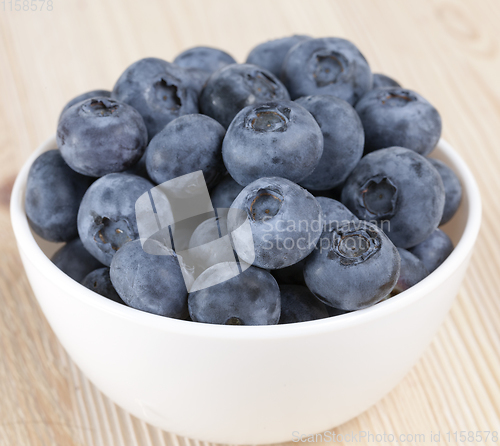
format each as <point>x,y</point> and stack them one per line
<point>201,241</point>
<point>106,218</point>
<point>381,80</point>
<point>353,267</point>
<point>74,260</point>
<point>271,54</point>
<point>53,194</point>
<point>290,275</point>
<point>158,90</point>
<point>331,66</point>
<point>237,86</point>
<point>332,312</point>
<point>147,282</point>
<point>139,168</point>
<point>249,298</point>
<point>82,97</point>
<point>412,271</point>
<point>398,189</point>
<point>100,282</point>
<point>399,117</point>
<point>298,304</point>
<point>100,136</point>
<point>284,218</point>
<point>452,190</point>
<point>204,58</point>
<point>187,144</point>
<point>343,138</point>
<point>225,192</point>
<point>272,139</point>
<point>196,79</point>
<point>334,213</point>
<point>334,194</point>
<point>434,250</point>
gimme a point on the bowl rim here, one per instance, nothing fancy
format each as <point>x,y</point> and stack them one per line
<point>28,245</point>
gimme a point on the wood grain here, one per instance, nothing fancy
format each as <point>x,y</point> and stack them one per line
<point>446,50</point>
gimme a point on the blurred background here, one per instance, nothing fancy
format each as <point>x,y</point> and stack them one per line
<point>51,51</point>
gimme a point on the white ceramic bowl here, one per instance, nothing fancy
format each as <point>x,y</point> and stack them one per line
<point>242,384</point>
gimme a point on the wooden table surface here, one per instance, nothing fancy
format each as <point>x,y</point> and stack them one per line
<point>449,51</point>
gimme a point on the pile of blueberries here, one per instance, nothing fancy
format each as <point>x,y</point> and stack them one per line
<point>327,161</point>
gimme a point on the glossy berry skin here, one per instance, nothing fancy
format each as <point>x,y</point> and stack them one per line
<point>237,86</point>
<point>225,192</point>
<point>249,298</point>
<point>330,66</point>
<point>158,90</point>
<point>84,96</point>
<point>399,117</point>
<point>100,136</point>
<point>204,58</point>
<point>53,195</point>
<point>106,218</point>
<point>187,144</point>
<point>272,139</point>
<point>100,282</point>
<point>147,282</point>
<point>298,304</point>
<point>334,213</point>
<point>343,140</point>
<point>434,250</point>
<point>353,267</point>
<point>398,189</point>
<point>271,54</point>
<point>412,271</point>
<point>452,190</point>
<point>74,260</point>
<point>382,80</point>
<point>284,218</point>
